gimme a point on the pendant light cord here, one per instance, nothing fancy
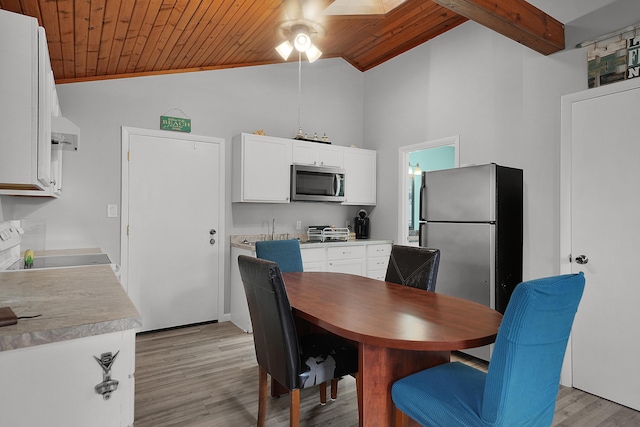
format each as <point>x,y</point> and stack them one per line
<point>299,88</point>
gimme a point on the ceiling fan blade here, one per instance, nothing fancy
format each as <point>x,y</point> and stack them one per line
<point>293,10</point>
<point>312,9</point>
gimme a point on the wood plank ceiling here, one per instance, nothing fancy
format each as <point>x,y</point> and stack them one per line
<point>97,39</point>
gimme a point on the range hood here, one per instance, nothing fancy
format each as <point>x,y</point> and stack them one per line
<point>64,134</point>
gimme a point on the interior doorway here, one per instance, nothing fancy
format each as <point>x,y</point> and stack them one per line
<point>414,159</point>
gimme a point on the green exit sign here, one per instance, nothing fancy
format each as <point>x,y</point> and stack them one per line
<point>178,124</point>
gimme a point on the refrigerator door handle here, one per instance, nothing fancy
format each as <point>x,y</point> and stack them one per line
<point>423,199</point>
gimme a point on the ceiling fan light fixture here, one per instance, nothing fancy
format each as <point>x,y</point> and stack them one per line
<point>284,49</point>
<point>313,53</point>
<point>302,39</point>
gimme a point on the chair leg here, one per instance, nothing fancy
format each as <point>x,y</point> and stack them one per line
<point>402,419</point>
<point>262,396</point>
<point>323,393</point>
<point>294,410</point>
<point>334,389</point>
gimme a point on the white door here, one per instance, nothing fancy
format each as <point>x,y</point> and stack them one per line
<point>173,264</point>
<point>605,228</point>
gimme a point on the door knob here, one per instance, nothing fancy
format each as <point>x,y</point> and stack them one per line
<point>212,241</point>
<point>212,232</point>
<point>582,259</point>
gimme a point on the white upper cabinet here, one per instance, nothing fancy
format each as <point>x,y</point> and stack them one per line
<point>317,154</point>
<point>360,182</point>
<point>261,169</point>
<point>25,113</point>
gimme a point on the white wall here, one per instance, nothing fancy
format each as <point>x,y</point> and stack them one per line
<point>220,103</point>
<point>503,100</point>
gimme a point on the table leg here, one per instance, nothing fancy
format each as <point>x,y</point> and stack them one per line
<point>379,368</point>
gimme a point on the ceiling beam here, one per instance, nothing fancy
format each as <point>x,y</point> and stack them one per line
<point>516,19</point>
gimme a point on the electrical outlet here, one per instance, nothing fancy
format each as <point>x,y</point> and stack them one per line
<point>112,211</point>
<point>298,225</point>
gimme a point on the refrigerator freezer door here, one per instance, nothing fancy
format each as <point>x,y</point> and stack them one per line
<point>466,194</point>
<point>467,263</point>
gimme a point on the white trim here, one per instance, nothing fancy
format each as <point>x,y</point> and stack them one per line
<point>403,161</point>
<point>221,235</point>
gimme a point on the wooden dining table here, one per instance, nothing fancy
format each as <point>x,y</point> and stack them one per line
<point>398,330</point>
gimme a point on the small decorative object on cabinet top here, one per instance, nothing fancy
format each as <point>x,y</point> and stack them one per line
<point>259,132</point>
<point>303,137</point>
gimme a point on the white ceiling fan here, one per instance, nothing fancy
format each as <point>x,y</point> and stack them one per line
<point>302,23</point>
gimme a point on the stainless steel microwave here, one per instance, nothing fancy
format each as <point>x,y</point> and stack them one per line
<point>317,183</point>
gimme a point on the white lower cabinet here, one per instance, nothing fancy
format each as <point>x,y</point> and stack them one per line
<point>54,384</point>
<point>347,259</point>
<point>369,260</point>
<point>239,310</point>
<point>378,260</point>
<point>364,259</point>
<point>314,259</point>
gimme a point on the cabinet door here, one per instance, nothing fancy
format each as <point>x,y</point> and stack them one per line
<point>19,109</point>
<point>261,169</point>
<point>54,384</point>
<point>44,110</point>
<point>350,266</point>
<point>304,153</point>
<point>331,155</point>
<point>347,259</point>
<point>48,163</point>
<point>239,310</point>
<point>313,259</point>
<point>317,154</point>
<point>360,182</point>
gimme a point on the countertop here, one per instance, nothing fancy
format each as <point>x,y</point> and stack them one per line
<point>237,241</point>
<point>74,302</point>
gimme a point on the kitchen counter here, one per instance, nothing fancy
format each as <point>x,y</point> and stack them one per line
<point>237,241</point>
<point>74,302</point>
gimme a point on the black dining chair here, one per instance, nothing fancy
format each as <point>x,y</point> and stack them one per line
<point>295,362</point>
<point>287,254</point>
<point>413,266</point>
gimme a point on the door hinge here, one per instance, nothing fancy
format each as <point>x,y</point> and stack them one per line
<point>128,156</point>
<point>127,230</point>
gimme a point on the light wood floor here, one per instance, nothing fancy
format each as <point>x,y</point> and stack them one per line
<point>207,375</point>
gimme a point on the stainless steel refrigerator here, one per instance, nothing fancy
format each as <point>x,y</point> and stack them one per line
<point>473,215</point>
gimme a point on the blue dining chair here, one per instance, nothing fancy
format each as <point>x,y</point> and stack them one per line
<point>285,253</point>
<point>521,385</point>
<point>413,266</point>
